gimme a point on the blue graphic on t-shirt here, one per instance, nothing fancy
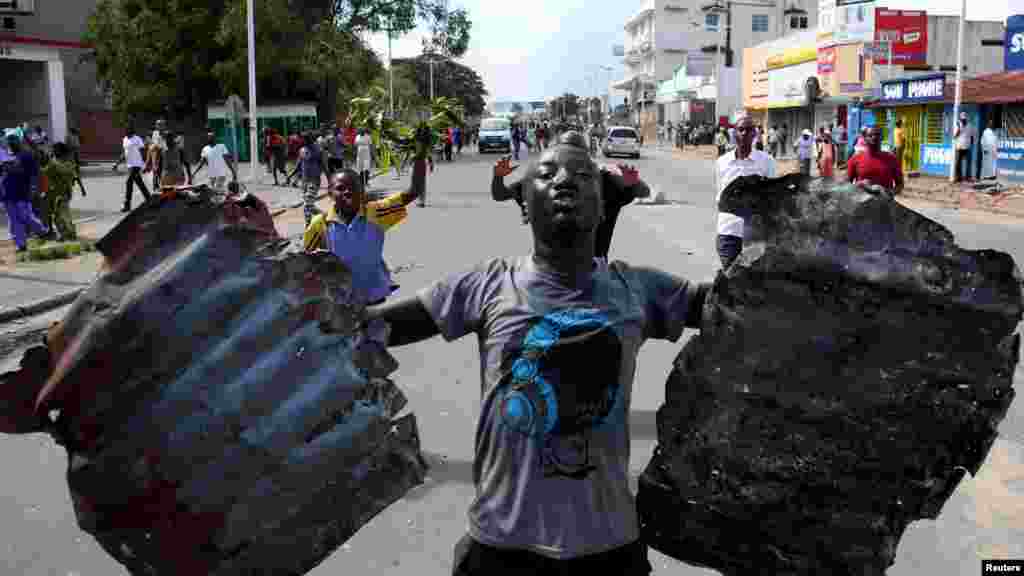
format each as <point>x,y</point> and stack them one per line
<point>563,382</point>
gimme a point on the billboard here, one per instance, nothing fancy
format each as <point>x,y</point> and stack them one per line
<point>786,85</point>
<point>1015,43</point>
<point>907,30</point>
<point>854,21</point>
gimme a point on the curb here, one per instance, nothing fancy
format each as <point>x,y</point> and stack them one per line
<point>40,306</point>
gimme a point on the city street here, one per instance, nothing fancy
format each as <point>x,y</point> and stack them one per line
<point>461,226</point>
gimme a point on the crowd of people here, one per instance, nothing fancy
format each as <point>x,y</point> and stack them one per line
<point>37,181</point>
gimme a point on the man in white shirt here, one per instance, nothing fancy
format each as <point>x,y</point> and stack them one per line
<point>219,161</point>
<point>805,151</point>
<point>133,149</point>
<point>964,137</point>
<point>742,161</point>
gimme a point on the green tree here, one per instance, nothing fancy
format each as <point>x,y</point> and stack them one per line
<point>451,80</point>
<point>160,57</point>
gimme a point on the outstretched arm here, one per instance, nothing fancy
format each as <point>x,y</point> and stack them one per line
<point>409,320</point>
<point>499,192</point>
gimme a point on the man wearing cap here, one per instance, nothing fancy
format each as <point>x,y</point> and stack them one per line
<point>964,137</point>
<point>740,161</point>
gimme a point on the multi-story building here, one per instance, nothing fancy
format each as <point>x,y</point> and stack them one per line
<point>664,33</point>
<point>51,81</point>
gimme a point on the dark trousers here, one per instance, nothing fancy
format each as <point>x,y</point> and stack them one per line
<point>134,179</point>
<point>475,559</point>
<point>448,152</point>
<point>963,165</point>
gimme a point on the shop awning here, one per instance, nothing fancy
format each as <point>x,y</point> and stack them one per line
<point>1001,88</point>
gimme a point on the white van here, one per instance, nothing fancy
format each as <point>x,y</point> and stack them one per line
<point>495,134</point>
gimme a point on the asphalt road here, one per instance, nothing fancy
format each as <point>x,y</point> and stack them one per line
<point>462,226</point>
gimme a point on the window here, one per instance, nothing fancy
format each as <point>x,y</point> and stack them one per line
<point>711,22</point>
<point>798,22</point>
<point>623,133</point>
<point>759,23</point>
<point>1013,121</point>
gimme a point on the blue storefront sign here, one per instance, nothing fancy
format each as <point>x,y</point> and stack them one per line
<point>936,159</point>
<point>1010,162</point>
<point>1015,43</point>
<point>929,88</point>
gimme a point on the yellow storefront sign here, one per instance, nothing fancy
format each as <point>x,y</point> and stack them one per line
<point>793,56</point>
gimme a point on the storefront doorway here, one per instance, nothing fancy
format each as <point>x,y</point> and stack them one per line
<point>912,118</point>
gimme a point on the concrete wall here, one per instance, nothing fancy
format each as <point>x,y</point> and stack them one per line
<point>30,102</point>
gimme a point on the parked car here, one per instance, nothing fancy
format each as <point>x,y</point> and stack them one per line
<point>621,141</point>
<point>495,134</point>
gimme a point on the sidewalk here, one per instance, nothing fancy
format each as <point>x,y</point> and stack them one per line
<point>1008,200</point>
<point>28,288</point>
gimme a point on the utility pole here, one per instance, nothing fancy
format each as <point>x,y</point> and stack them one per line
<point>253,120</point>
<point>959,86</point>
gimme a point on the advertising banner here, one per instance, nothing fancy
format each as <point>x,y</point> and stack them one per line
<point>854,21</point>
<point>907,30</point>
<point>1015,43</point>
<point>786,85</point>
<point>792,56</point>
<point>826,60</point>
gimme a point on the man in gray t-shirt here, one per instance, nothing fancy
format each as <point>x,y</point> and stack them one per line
<point>559,334</point>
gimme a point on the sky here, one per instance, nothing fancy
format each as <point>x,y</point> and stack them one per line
<point>528,50</point>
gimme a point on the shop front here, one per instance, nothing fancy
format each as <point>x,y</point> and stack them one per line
<point>775,77</point>
<point>917,105</point>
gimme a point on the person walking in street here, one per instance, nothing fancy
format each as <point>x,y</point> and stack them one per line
<point>743,161</point>
<point>364,156</point>
<point>842,141</point>
<point>278,157</point>
<point>964,137</point>
<point>312,162</point>
<point>899,140</point>
<point>335,151</point>
<point>805,151</point>
<point>875,167</point>
<point>449,136</point>
<point>20,171</point>
<point>354,230</point>
<point>721,141</point>
<point>220,161</point>
<point>559,336</point>
<point>60,177</point>
<point>154,152</point>
<point>773,141</point>
<point>457,136</point>
<point>133,147</point>
<point>517,139</point>
<point>74,144</point>
<point>989,153</point>
<point>826,156</point>
<point>176,170</point>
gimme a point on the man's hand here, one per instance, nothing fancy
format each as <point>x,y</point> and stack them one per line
<point>504,167</point>
<point>630,175</point>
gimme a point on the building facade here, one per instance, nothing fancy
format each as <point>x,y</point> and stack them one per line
<point>52,82</point>
<point>666,35</point>
<point>849,74</point>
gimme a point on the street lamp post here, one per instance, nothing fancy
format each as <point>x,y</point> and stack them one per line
<point>253,122</point>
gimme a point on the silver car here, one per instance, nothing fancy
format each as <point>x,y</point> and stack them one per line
<point>622,141</point>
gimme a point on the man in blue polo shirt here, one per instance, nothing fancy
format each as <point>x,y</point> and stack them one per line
<point>20,172</point>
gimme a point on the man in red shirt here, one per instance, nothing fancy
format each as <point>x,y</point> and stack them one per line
<point>872,166</point>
